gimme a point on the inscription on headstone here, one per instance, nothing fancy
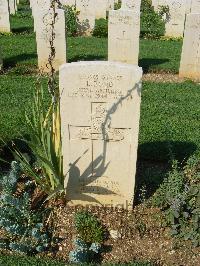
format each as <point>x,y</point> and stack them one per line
<point>190,58</point>
<point>100,109</point>
<point>133,5</point>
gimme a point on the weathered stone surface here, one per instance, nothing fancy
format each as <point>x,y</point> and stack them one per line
<point>86,17</point>
<point>190,58</point>
<point>4,16</point>
<point>110,4</point>
<point>100,8</point>
<point>68,2</point>
<point>131,4</point>
<point>100,110</point>
<point>123,36</point>
<point>44,35</point>
<point>188,6</point>
<point>12,6</point>
<point>37,6</point>
<point>195,6</point>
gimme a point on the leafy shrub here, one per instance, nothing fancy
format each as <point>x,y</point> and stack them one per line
<point>179,196</point>
<point>89,229</point>
<point>101,28</point>
<point>71,20</point>
<point>152,24</point>
<point>117,5</point>
<point>25,228</point>
<point>84,253</point>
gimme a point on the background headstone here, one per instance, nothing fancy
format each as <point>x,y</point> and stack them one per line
<point>190,58</point>
<point>100,110</point>
<point>4,16</point>
<point>12,6</point>
<point>101,8</point>
<point>175,20</point>
<point>86,16</point>
<point>43,36</point>
<point>123,36</point>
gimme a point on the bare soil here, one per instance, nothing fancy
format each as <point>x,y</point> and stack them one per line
<point>140,234</point>
<point>163,78</point>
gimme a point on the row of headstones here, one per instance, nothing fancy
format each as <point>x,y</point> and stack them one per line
<point>87,11</point>
<point>124,30</point>
<point>123,40</point>
<point>176,15</point>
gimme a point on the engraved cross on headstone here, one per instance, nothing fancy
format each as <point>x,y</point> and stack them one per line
<point>98,129</point>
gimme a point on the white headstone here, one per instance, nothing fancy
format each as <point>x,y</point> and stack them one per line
<point>190,58</point>
<point>12,6</point>
<point>100,111</point>
<point>44,35</point>
<point>175,20</point>
<point>123,36</point>
<point>39,5</point>
<point>100,8</point>
<point>4,16</point>
<point>86,16</point>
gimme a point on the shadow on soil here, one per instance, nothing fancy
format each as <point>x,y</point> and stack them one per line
<point>147,63</point>
<point>154,163</point>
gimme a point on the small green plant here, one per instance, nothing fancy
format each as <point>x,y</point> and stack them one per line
<point>179,197</point>
<point>25,231</point>
<point>118,5</point>
<point>163,11</point>
<point>84,253</point>
<point>152,24</point>
<point>45,144</point>
<point>101,28</point>
<point>71,20</point>
<point>88,227</point>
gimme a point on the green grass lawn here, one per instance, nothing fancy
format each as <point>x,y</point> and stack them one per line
<point>32,261</point>
<point>170,115</point>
